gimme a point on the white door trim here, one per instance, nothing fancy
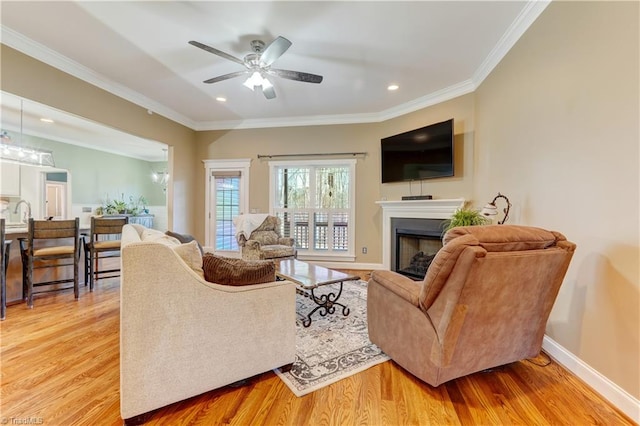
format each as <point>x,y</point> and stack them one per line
<point>242,165</point>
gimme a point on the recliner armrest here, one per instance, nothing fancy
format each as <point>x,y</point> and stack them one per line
<point>399,284</point>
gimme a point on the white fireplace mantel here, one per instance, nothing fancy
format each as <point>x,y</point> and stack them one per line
<point>419,209</point>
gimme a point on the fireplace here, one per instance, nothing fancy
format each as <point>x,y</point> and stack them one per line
<point>414,245</point>
<point>397,211</point>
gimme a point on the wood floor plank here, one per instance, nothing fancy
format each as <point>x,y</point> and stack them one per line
<point>60,362</point>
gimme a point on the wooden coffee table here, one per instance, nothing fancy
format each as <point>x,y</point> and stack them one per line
<point>308,278</point>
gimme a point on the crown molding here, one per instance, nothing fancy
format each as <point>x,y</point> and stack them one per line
<point>50,57</point>
<point>527,16</point>
<point>518,27</point>
<point>320,120</point>
<point>431,99</point>
<point>316,120</point>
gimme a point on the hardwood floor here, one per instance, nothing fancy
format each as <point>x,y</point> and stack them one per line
<point>60,366</point>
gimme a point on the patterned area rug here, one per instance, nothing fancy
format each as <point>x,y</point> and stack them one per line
<point>334,346</point>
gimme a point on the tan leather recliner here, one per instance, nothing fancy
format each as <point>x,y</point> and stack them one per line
<point>484,302</point>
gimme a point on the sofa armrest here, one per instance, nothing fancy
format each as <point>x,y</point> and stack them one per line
<point>177,328</point>
<point>285,241</point>
<point>399,284</point>
<point>252,244</point>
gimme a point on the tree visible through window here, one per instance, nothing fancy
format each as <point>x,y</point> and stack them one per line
<point>314,201</point>
<point>227,196</point>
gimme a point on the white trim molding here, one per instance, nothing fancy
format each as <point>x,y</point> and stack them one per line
<point>241,164</point>
<point>310,254</point>
<point>419,209</point>
<point>520,25</point>
<point>617,396</point>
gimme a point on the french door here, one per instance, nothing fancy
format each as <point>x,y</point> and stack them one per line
<point>227,196</point>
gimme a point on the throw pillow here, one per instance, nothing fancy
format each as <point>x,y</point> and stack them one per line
<point>184,238</point>
<point>191,255</point>
<point>230,271</point>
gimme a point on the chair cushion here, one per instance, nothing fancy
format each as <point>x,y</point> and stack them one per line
<point>54,251</point>
<point>108,244</point>
<point>230,271</point>
<point>277,251</point>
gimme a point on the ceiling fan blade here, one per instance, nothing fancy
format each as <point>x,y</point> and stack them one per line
<point>226,76</point>
<point>274,50</point>
<point>269,92</point>
<point>216,52</point>
<point>296,75</point>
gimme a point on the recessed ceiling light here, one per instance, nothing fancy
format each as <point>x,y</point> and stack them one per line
<point>221,99</point>
<point>46,120</point>
<point>393,87</point>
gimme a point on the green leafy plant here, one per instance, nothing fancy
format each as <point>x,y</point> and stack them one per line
<point>465,216</point>
<point>133,207</point>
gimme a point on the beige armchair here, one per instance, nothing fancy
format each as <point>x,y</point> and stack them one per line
<point>484,302</point>
<point>266,242</point>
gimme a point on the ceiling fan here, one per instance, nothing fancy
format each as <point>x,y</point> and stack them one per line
<point>258,65</point>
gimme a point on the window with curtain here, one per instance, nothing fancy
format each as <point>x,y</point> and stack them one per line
<point>315,202</point>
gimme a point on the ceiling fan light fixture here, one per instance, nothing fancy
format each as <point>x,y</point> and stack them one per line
<point>255,80</point>
<point>258,63</point>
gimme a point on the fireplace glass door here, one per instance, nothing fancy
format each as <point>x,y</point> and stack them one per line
<point>415,253</point>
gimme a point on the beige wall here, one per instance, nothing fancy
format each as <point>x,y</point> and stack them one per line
<point>557,129</point>
<point>460,185</point>
<point>346,138</point>
<point>303,140</point>
<point>31,79</point>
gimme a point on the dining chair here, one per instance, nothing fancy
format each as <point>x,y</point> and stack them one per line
<point>46,245</point>
<point>104,238</point>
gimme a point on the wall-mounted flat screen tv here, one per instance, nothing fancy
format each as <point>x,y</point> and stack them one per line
<point>423,153</point>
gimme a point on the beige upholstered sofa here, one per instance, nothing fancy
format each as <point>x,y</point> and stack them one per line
<point>181,336</point>
<point>484,302</point>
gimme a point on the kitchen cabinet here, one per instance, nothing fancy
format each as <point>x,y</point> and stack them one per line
<point>144,220</point>
<point>9,179</point>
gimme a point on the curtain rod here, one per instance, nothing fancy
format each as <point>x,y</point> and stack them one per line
<point>321,154</point>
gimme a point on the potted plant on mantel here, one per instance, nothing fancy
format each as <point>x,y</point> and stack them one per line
<point>465,216</point>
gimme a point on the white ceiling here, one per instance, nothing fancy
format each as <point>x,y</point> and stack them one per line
<point>434,50</point>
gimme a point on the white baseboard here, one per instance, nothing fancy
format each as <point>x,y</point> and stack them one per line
<point>599,383</point>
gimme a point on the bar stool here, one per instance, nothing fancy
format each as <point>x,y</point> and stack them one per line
<point>38,256</point>
<point>5,247</point>
<point>104,238</point>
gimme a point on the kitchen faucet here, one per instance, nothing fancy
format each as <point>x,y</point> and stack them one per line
<point>28,207</point>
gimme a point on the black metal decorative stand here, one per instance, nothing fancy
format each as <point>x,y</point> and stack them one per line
<point>326,303</point>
